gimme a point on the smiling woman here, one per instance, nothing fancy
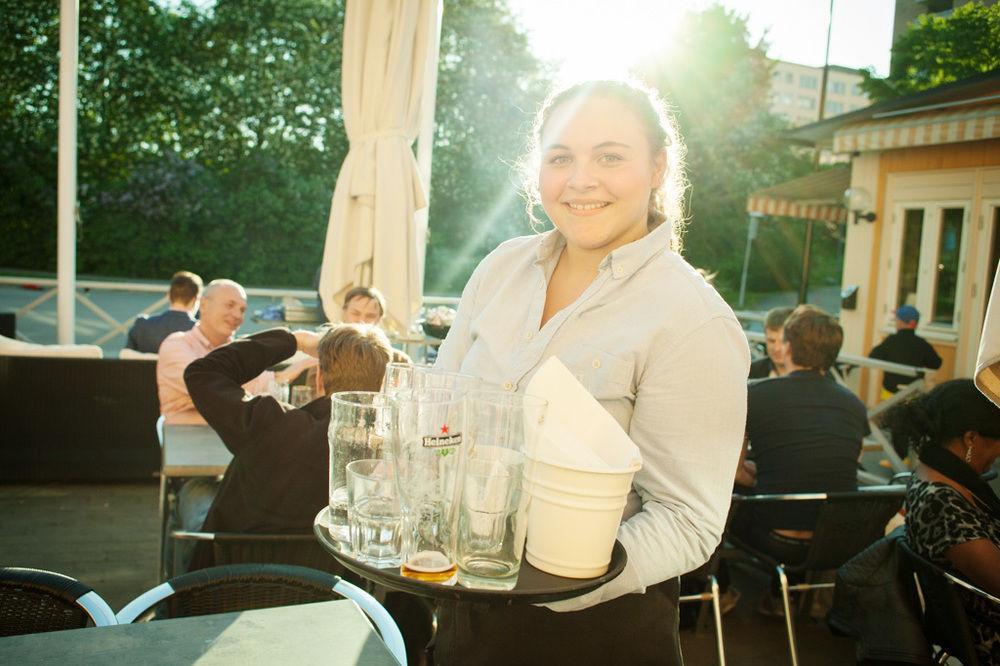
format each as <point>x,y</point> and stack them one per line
<point>607,293</point>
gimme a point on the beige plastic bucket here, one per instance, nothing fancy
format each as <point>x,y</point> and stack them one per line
<point>573,517</point>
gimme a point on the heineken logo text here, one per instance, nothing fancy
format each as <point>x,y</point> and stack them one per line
<point>442,441</point>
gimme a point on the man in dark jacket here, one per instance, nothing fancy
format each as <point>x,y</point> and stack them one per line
<point>905,346</point>
<point>278,479</point>
<point>148,332</point>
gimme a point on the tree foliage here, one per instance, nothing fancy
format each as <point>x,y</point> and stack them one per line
<point>937,50</point>
<point>210,138</point>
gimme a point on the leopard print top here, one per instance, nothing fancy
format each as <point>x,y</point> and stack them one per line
<point>937,518</point>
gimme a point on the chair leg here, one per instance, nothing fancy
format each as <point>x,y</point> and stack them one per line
<point>783,579</point>
<point>717,612</point>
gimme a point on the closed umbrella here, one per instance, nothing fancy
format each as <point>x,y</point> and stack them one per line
<point>371,239</point>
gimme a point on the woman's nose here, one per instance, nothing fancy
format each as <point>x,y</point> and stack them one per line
<point>581,177</point>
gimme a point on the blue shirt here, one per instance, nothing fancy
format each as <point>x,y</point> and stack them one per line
<point>147,333</point>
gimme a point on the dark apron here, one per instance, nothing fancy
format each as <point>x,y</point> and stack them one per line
<point>633,629</point>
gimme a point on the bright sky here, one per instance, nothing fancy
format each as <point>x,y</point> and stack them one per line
<point>597,36</point>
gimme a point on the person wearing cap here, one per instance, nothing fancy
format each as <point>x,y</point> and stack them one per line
<point>906,347</point>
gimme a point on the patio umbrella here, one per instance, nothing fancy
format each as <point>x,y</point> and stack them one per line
<point>371,239</point>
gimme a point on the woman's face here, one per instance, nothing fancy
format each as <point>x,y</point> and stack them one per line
<point>597,174</point>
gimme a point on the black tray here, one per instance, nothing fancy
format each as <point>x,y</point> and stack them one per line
<point>533,586</point>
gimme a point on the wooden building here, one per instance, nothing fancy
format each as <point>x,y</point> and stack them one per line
<point>922,215</point>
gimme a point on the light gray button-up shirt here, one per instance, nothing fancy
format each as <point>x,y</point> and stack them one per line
<point>660,350</point>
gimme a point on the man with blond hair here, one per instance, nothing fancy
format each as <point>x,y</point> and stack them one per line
<point>279,477</point>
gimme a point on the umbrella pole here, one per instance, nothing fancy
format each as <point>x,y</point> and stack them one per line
<point>66,197</point>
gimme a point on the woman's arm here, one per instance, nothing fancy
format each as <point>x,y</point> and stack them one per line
<point>459,339</point>
<point>689,420</point>
<point>979,561</point>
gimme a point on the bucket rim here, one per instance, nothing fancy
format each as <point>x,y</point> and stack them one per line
<point>635,467</point>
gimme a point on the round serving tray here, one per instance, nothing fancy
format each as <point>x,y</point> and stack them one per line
<point>533,586</point>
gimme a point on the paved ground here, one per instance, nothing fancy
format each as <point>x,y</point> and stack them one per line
<point>106,535</point>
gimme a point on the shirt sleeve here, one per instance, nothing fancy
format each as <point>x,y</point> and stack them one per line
<point>931,358</point>
<point>174,357</point>
<point>689,419</point>
<point>216,385</point>
<point>130,341</point>
<point>456,345</point>
<point>879,351</point>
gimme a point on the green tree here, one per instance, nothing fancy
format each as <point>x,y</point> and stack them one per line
<point>489,86</point>
<point>937,50</point>
<point>718,83</point>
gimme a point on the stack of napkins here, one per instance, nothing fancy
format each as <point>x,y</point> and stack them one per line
<point>578,432</point>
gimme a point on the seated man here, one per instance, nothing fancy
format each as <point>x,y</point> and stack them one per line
<point>279,476</point>
<point>363,305</point>
<point>223,308</point>
<point>906,347</point>
<point>804,434</point>
<point>148,332</point>
<point>772,365</point>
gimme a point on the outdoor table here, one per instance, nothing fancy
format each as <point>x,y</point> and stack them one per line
<point>533,586</point>
<point>188,451</point>
<point>330,632</point>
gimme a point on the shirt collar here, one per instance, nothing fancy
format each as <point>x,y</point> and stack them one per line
<point>623,261</point>
<point>202,340</point>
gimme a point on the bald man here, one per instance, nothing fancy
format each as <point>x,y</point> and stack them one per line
<point>223,308</point>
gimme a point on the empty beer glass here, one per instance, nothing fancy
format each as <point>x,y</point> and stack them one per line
<point>373,512</point>
<point>359,428</point>
<point>426,444</point>
<point>491,523</point>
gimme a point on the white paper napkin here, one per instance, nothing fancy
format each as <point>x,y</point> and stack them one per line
<point>578,431</point>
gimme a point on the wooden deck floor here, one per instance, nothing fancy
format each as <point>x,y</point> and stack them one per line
<point>106,536</point>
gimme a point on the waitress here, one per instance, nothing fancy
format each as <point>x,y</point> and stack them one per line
<point>609,294</point>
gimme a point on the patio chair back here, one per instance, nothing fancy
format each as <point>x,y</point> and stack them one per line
<point>298,549</point>
<point>943,614</point>
<point>242,587</point>
<point>34,601</point>
<point>849,522</point>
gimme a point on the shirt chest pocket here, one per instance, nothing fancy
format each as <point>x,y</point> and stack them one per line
<point>605,376</point>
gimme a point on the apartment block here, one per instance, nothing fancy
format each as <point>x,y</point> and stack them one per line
<point>795,92</point>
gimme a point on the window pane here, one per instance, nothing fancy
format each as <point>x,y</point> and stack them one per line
<point>913,227</point>
<point>949,244</point>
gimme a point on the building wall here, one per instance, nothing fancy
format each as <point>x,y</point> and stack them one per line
<point>795,92</point>
<point>965,174</point>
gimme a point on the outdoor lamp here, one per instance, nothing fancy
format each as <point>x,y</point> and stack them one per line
<point>857,200</point>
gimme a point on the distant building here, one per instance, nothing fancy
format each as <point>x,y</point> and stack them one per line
<point>795,92</point>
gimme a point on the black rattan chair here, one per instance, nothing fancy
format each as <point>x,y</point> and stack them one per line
<point>848,522</point>
<point>298,549</point>
<point>242,587</point>
<point>942,611</point>
<point>34,601</point>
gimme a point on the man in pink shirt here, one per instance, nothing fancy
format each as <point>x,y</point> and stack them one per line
<point>223,307</point>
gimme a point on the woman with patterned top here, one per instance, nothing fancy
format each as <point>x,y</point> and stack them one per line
<point>952,515</point>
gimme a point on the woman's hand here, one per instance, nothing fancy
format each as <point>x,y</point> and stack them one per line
<point>307,342</point>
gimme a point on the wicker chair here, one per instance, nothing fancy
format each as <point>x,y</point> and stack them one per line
<point>242,587</point>
<point>848,522</point>
<point>34,601</point>
<point>298,549</point>
<point>942,611</point>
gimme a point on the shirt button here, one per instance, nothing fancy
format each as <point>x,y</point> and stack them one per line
<point>619,270</point>
<point>529,335</point>
<point>596,363</point>
<point>507,386</point>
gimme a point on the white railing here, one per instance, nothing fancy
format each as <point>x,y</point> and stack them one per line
<point>107,326</point>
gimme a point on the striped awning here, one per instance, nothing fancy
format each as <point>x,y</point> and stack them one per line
<point>818,196</point>
<point>926,129</point>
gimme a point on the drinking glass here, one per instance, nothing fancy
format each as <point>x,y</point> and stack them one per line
<point>358,430</point>
<point>426,377</point>
<point>301,395</point>
<point>426,445</point>
<point>373,512</point>
<point>491,512</point>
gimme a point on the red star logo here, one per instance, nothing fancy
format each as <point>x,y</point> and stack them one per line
<point>444,429</point>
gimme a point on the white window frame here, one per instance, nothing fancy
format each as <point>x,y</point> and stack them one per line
<point>927,267</point>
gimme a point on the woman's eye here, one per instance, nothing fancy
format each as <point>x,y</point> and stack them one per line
<point>559,159</point>
<point>610,158</point>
